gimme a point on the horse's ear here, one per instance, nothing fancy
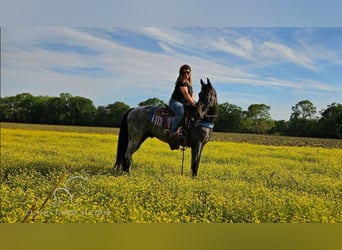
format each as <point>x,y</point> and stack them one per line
<point>202,83</point>
<point>209,83</point>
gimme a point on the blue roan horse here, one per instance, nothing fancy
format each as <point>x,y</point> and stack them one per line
<point>136,126</point>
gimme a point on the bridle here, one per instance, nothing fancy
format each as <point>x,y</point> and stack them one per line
<point>207,108</point>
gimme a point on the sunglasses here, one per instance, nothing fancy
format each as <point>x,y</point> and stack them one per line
<point>187,72</point>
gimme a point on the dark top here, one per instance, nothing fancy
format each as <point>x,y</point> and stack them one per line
<point>177,94</point>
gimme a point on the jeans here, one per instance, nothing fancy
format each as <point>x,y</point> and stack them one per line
<point>177,108</point>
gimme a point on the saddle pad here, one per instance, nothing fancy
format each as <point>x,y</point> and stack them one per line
<point>162,117</point>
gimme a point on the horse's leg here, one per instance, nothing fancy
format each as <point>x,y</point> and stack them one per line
<point>133,145</point>
<point>196,151</point>
<point>198,138</point>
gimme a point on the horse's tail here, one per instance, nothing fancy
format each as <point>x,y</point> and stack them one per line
<point>122,142</point>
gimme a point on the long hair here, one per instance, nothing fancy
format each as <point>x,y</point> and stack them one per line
<point>181,77</point>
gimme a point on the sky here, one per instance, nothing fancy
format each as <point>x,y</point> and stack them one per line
<point>277,65</point>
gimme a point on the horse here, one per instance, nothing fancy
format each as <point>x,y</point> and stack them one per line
<point>136,127</point>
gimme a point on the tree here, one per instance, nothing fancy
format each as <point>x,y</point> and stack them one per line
<point>330,123</point>
<point>21,107</point>
<point>229,118</point>
<point>82,110</point>
<point>55,112</point>
<point>303,110</point>
<point>7,108</point>
<point>302,122</point>
<point>258,119</point>
<point>152,101</point>
<point>114,113</point>
<point>39,112</point>
<point>259,112</point>
<point>280,127</point>
<point>102,116</point>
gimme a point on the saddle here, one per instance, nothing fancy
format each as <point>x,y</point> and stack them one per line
<point>163,118</point>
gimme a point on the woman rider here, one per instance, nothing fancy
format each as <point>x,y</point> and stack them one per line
<point>182,94</point>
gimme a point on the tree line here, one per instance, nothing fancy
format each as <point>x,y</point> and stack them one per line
<point>303,121</point>
<point>76,110</point>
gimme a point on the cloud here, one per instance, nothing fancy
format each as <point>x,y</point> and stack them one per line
<point>104,65</point>
<point>166,35</point>
<point>127,71</point>
<point>237,43</point>
<point>241,47</point>
<point>282,52</point>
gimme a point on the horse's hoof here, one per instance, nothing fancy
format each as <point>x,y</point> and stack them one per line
<point>194,176</point>
<point>118,172</point>
<point>174,146</point>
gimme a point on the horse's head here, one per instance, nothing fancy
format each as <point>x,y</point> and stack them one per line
<point>207,103</point>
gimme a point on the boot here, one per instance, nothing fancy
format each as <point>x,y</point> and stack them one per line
<point>174,140</point>
<point>174,136</point>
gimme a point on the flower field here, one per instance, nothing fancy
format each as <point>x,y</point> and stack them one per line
<point>65,175</point>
